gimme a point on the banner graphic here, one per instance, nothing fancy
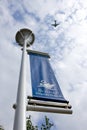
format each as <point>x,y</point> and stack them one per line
<point>44,83</point>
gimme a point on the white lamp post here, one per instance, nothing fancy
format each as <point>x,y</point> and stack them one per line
<point>25,38</point>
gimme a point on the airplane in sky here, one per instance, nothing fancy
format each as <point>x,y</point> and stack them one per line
<point>55,23</point>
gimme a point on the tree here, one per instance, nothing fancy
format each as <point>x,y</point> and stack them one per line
<point>44,126</point>
<point>47,124</point>
<point>29,125</point>
<point>1,127</point>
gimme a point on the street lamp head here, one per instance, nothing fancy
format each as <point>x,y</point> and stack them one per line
<point>25,35</point>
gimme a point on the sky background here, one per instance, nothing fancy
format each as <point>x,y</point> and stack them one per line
<point>66,44</point>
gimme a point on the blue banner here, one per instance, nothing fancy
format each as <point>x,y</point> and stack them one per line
<point>44,83</point>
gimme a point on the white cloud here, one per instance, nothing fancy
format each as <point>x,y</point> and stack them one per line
<point>66,45</point>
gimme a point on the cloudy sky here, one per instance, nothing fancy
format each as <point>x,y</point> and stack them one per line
<point>66,44</point>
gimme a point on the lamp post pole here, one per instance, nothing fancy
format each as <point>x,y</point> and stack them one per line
<point>20,114</point>
<point>25,38</point>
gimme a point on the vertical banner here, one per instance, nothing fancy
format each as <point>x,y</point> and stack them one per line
<point>44,83</point>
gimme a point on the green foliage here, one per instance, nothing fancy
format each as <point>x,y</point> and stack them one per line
<point>29,125</point>
<point>44,126</point>
<point>47,124</point>
<point>1,128</point>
